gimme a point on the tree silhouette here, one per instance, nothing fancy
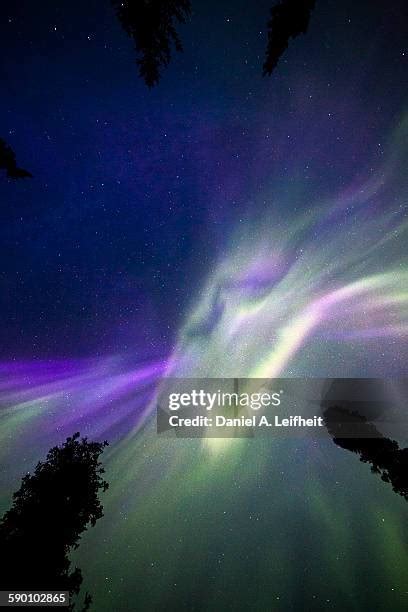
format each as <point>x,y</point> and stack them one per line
<point>8,162</point>
<point>288,19</point>
<point>151,25</point>
<point>53,506</point>
<point>353,432</point>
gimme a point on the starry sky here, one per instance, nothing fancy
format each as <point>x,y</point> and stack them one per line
<point>136,191</point>
<point>220,224</point>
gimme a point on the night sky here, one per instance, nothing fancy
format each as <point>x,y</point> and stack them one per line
<point>227,224</point>
<point>135,191</point>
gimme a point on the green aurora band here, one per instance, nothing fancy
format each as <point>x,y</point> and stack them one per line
<point>260,524</point>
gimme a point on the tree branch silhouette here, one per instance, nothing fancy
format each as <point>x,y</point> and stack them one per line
<point>288,19</point>
<point>151,25</point>
<point>50,511</point>
<point>353,432</point>
<point>8,162</point>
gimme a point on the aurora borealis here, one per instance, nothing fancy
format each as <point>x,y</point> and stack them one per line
<point>220,225</point>
<point>337,272</point>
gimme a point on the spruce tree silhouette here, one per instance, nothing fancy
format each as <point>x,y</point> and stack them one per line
<point>353,432</point>
<point>8,162</point>
<point>151,25</point>
<point>53,506</point>
<point>288,19</point>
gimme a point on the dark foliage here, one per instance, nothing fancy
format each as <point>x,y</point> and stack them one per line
<point>151,25</point>
<point>383,454</point>
<point>288,19</point>
<point>8,162</point>
<point>53,506</point>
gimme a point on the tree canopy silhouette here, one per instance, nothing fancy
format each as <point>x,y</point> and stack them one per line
<point>151,25</point>
<point>288,19</point>
<point>53,506</point>
<point>353,432</point>
<point>8,162</point>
